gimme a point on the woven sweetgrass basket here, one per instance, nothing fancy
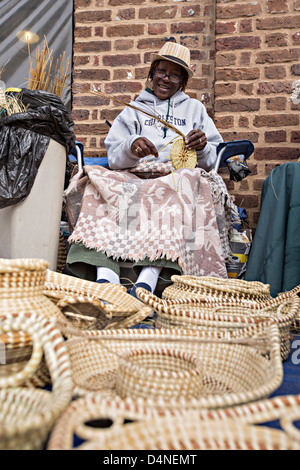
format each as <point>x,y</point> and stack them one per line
<point>26,413</point>
<point>98,422</point>
<point>22,283</point>
<point>89,306</point>
<point>221,314</point>
<point>237,366</point>
<point>210,288</point>
<point>159,372</point>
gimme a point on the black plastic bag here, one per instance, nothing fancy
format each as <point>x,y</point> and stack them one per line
<point>24,139</point>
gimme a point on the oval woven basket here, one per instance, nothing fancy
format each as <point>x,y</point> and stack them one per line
<point>89,306</point>
<point>96,422</point>
<point>222,315</point>
<point>208,287</point>
<point>27,413</point>
<point>159,372</point>
<point>238,366</point>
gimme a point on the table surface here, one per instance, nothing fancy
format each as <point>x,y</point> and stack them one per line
<point>291,370</point>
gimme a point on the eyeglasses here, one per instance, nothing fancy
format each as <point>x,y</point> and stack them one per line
<point>172,78</point>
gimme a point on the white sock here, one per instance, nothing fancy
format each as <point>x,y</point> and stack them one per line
<point>108,274</point>
<point>149,275</point>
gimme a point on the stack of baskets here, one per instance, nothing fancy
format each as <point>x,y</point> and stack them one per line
<point>218,345</point>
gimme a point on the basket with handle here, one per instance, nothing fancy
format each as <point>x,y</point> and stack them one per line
<point>210,288</point>
<point>159,372</point>
<point>237,366</point>
<point>28,413</point>
<point>22,283</point>
<point>137,424</point>
<point>87,305</point>
<point>219,313</point>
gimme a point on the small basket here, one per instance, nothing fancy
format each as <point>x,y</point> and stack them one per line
<point>26,413</point>
<point>211,288</point>
<point>159,372</point>
<point>225,315</point>
<point>102,423</point>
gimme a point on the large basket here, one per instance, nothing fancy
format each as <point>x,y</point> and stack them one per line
<point>96,422</point>
<point>237,366</point>
<point>87,305</point>
<point>225,315</point>
<point>22,283</point>
<point>26,413</point>
<point>159,372</point>
<point>211,288</point>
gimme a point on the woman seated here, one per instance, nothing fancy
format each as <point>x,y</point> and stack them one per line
<point>164,220</point>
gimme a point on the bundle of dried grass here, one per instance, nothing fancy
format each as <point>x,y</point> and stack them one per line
<point>13,105</point>
<point>41,76</point>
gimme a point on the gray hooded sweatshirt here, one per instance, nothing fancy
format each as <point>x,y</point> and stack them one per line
<point>180,110</point>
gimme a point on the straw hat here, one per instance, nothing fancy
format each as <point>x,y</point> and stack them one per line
<point>174,53</point>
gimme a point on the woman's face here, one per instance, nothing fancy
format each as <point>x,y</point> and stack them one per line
<point>164,88</point>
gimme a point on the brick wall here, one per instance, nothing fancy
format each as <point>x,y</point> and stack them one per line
<point>113,42</point>
<point>245,57</point>
<point>257,60</point>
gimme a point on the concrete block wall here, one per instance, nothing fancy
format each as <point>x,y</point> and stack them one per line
<point>245,56</point>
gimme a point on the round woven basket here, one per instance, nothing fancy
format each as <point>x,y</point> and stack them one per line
<point>208,287</point>
<point>27,413</point>
<point>159,372</point>
<point>221,314</point>
<point>22,283</point>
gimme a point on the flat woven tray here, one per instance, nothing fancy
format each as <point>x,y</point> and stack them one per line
<point>99,422</point>
<point>26,413</point>
<point>237,367</point>
<point>218,313</point>
<point>87,305</point>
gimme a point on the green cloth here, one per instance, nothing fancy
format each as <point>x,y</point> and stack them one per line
<point>83,262</point>
<point>275,254</point>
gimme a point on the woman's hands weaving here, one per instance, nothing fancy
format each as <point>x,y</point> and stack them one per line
<point>143,147</point>
<point>195,139</point>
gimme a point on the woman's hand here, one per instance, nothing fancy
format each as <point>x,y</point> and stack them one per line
<point>143,147</point>
<point>195,139</point>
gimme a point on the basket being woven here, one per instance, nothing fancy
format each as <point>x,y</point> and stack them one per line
<point>27,414</point>
<point>225,315</point>
<point>135,424</point>
<point>237,366</point>
<point>159,372</point>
